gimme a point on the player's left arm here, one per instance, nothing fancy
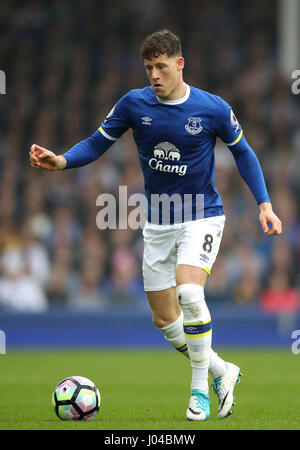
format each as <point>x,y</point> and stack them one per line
<point>251,172</point>
<point>230,131</point>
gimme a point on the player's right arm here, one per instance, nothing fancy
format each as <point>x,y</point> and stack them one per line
<point>88,150</point>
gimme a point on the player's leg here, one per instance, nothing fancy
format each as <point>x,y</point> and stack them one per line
<point>167,317</point>
<point>198,247</point>
<point>164,307</point>
<point>198,332</point>
<point>159,266</point>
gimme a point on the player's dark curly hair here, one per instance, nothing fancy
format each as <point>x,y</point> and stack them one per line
<point>159,43</point>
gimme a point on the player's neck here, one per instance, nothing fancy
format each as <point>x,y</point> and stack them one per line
<point>178,92</point>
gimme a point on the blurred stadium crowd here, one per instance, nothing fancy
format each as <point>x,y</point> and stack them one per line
<point>66,64</point>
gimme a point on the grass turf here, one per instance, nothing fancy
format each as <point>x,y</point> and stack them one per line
<point>147,390</point>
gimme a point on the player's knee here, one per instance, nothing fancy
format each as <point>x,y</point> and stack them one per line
<point>192,301</point>
<point>190,294</point>
<point>161,320</point>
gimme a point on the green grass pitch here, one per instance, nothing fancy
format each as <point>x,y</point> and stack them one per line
<point>148,390</point>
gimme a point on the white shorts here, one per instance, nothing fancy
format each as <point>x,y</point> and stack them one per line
<point>195,243</point>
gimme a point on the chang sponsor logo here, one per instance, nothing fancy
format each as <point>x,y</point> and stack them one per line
<point>165,151</point>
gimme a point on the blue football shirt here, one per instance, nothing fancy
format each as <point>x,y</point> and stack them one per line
<point>175,141</point>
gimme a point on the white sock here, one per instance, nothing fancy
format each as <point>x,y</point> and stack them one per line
<point>217,365</point>
<point>197,330</point>
<point>175,336</point>
<point>199,379</point>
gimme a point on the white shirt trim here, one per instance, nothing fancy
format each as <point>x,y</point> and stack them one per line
<point>107,135</point>
<point>177,101</point>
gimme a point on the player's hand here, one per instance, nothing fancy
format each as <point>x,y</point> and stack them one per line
<point>42,158</point>
<point>268,217</point>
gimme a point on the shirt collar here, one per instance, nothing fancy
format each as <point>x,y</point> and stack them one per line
<point>177,101</point>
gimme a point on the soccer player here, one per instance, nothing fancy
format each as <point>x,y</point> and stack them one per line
<point>175,127</point>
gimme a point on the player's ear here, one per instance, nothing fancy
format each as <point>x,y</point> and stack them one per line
<point>180,63</point>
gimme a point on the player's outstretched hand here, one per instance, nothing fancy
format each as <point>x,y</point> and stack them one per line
<point>42,158</point>
<point>268,217</point>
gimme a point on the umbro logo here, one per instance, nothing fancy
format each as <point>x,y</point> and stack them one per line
<point>191,328</point>
<point>204,257</point>
<point>146,120</point>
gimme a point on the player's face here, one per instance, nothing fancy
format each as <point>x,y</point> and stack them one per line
<point>165,75</point>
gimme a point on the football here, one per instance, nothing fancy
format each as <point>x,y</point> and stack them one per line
<point>76,398</point>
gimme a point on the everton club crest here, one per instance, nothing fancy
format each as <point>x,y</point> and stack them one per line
<point>194,125</point>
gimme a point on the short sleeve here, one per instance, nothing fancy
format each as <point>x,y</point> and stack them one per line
<point>227,127</point>
<point>117,121</point>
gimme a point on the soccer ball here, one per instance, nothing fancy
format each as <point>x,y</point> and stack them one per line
<point>76,398</point>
